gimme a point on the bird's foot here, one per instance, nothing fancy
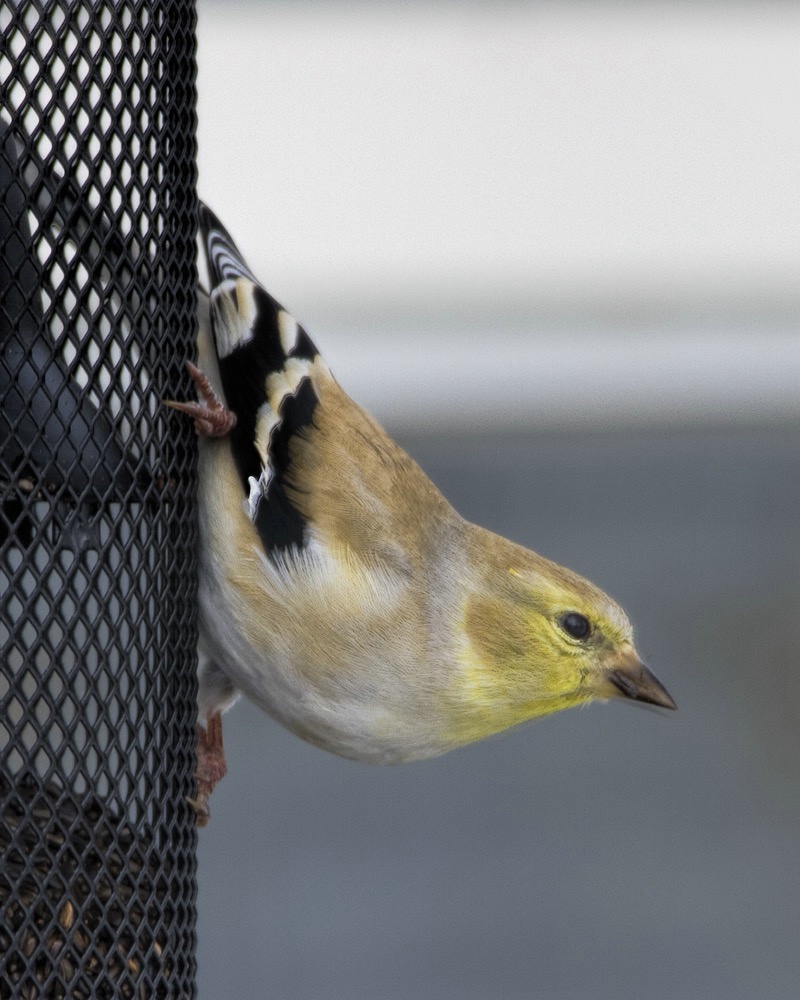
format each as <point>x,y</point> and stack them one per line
<point>211,417</point>
<point>211,765</point>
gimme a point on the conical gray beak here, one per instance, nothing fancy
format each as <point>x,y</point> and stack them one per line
<point>633,679</point>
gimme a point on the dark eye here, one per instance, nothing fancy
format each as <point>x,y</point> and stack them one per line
<point>578,626</point>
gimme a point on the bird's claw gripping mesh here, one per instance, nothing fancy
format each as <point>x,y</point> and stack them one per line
<point>97,534</point>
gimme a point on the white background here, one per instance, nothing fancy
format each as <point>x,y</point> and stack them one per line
<point>557,213</point>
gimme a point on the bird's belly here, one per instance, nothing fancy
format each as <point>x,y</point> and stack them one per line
<point>335,649</point>
<point>321,680</point>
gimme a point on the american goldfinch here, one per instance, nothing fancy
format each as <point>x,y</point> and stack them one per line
<point>339,590</point>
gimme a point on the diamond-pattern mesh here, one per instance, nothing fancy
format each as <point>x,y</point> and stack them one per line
<point>97,532</point>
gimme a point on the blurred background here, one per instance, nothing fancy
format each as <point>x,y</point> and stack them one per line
<point>555,249</point>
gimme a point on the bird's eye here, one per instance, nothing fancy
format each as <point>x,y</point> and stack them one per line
<point>576,625</point>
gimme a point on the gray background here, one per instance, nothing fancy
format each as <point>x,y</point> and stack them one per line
<point>609,852</point>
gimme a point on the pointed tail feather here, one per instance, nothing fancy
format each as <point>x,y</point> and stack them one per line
<point>225,262</point>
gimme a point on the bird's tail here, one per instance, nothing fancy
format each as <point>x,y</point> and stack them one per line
<point>254,335</point>
<point>225,263</point>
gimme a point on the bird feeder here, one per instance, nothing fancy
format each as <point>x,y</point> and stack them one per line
<point>98,214</point>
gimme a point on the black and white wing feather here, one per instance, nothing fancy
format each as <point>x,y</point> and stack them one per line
<point>266,362</point>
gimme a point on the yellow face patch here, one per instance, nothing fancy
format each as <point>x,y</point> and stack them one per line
<point>514,668</point>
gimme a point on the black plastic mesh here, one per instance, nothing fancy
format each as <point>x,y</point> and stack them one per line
<point>97,531</point>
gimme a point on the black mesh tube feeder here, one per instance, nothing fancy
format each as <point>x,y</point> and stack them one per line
<point>97,526</point>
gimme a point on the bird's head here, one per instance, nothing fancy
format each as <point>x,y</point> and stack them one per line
<point>540,638</point>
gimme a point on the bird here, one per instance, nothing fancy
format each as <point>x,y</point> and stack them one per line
<point>339,590</point>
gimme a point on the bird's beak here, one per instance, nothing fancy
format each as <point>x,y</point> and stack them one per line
<point>632,678</point>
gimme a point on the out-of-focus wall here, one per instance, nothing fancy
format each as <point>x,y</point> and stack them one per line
<point>583,210</point>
